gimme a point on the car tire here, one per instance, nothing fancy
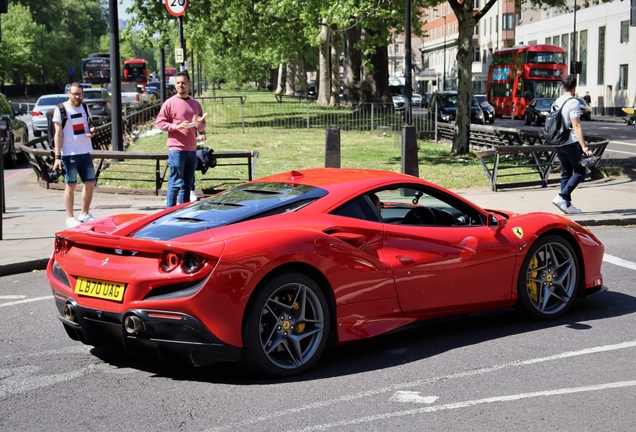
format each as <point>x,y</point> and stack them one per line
<point>37,133</point>
<point>549,278</point>
<point>526,120</point>
<point>492,120</point>
<point>287,325</point>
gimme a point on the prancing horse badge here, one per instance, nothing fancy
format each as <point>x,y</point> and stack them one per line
<point>518,232</point>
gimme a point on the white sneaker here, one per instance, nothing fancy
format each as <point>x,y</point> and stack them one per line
<point>571,209</point>
<point>193,196</point>
<point>86,217</point>
<point>560,203</point>
<point>72,222</point>
<point>564,206</point>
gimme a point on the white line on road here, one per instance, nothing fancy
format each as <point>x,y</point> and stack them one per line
<point>11,297</point>
<point>617,151</point>
<point>623,143</point>
<point>619,262</point>
<point>408,384</point>
<point>470,403</point>
<point>34,299</point>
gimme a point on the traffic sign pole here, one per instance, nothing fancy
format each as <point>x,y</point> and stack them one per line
<point>178,8</point>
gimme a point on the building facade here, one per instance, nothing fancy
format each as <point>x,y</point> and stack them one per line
<point>597,35</point>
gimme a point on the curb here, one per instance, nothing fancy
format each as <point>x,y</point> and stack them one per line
<point>23,267</point>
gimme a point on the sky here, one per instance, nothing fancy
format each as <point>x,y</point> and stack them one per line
<point>121,9</point>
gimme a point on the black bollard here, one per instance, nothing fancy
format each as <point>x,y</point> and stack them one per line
<point>410,163</point>
<point>332,148</point>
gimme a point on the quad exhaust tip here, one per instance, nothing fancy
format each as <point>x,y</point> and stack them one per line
<point>134,325</point>
<point>69,312</point>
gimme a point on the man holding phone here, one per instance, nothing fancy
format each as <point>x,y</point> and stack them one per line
<point>182,117</point>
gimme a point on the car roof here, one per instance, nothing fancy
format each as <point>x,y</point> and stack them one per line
<point>327,177</point>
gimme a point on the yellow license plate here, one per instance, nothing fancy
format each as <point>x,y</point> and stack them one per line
<point>100,289</point>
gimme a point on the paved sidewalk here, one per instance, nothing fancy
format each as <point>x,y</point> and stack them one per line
<point>35,214</point>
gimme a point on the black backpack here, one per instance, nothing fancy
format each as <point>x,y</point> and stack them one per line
<point>50,125</point>
<point>555,130</point>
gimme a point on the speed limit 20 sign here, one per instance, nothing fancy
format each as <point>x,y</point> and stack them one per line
<point>177,7</point>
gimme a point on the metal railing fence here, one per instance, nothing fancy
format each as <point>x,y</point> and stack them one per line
<point>225,114</point>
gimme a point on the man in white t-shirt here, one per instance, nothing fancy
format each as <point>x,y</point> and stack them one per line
<point>572,172</point>
<point>73,149</point>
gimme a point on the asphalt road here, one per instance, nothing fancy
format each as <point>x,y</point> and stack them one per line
<point>484,372</point>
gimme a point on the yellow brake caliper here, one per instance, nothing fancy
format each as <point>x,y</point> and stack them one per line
<point>300,327</point>
<point>533,287</point>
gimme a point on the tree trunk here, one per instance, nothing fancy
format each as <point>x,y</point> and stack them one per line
<point>302,74</point>
<point>290,77</point>
<point>272,78</point>
<point>352,66</point>
<point>280,82</point>
<point>375,77</point>
<point>323,64</point>
<point>461,134</point>
<point>335,65</point>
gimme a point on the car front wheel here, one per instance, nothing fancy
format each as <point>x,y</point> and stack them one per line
<point>548,278</point>
<point>287,326</point>
<point>11,158</point>
<point>527,119</point>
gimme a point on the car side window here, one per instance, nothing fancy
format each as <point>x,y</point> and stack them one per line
<point>358,208</point>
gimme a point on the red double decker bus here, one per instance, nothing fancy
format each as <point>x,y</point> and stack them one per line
<point>520,73</point>
<point>136,71</point>
<point>170,72</point>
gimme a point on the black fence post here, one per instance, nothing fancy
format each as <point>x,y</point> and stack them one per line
<point>332,148</point>
<point>410,163</point>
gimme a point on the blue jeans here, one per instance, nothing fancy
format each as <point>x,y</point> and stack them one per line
<point>572,172</point>
<point>81,164</point>
<point>181,178</point>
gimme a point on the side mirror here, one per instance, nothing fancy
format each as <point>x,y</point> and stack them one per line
<point>497,222</point>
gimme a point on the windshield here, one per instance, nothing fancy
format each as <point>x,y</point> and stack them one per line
<point>244,202</point>
<point>396,90</point>
<point>93,95</point>
<point>544,104</point>
<point>545,57</point>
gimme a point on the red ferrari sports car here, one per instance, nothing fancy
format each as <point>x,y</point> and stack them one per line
<point>273,271</point>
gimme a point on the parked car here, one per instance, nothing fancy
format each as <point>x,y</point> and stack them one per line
<point>397,95</point>
<point>42,106</point>
<point>275,270</point>
<point>416,100</point>
<point>445,103</point>
<point>170,90</point>
<point>586,110</point>
<point>98,102</point>
<point>538,110</point>
<point>426,98</point>
<point>486,107</point>
<point>13,132</point>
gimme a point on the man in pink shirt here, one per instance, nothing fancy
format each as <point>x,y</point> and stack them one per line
<point>181,116</point>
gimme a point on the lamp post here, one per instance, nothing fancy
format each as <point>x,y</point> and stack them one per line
<point>444,73</point>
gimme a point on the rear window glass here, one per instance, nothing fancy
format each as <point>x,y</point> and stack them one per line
<point>244,202</point>
<point>93,94</point>
<point>52,100</point>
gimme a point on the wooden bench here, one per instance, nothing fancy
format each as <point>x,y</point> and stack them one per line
<point>538,158</point>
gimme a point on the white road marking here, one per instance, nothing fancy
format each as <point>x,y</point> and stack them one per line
<point>617,151</point>
<point>412,397</point>
<point>470,403</point>
<point>11,297</point>
<point>623,143</point>
<point>26,301</point>
<point>404,385</point>
<point>619,262</point>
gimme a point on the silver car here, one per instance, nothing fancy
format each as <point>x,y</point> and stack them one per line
<point>42,106</point>
<point>98,102</point>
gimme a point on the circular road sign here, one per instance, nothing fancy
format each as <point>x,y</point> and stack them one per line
<point>177,7</point>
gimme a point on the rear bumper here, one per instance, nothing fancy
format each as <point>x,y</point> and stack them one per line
<point>169,335</point>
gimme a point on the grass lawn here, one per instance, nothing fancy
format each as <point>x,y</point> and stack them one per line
<point>285,147</point>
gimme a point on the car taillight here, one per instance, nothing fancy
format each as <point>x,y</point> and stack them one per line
<point>36,113</point>
<point>101,103</point>
<point>137,97</point>
<point>189,262</point>
<point>62,245</point>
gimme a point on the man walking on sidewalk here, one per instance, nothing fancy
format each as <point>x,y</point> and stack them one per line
<point>572,172</point>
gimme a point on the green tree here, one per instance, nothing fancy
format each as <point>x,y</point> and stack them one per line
<point>19,46</point>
